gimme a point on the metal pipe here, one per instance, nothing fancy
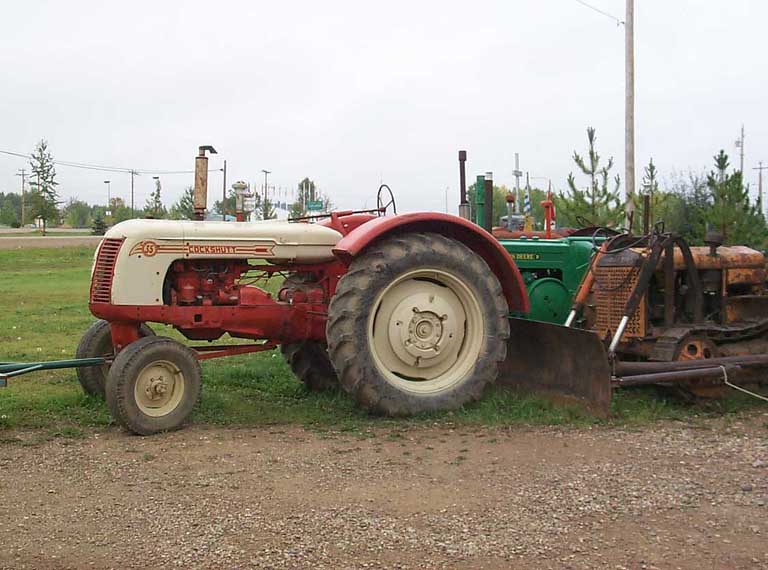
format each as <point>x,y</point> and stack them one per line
<point>479,200</point>
<point>674,376</point>
<point>488,195</point>
<point>200,197</point>
<point>463,203</point>
<point>632,368</point>
<point>619,333</point>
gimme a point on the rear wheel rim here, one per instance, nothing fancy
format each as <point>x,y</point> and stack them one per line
<point>159,388</point>
<point>426,331</point>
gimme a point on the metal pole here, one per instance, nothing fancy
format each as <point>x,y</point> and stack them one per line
<point>517,174</point>
<point>479,200</point>
<point>629,110</point>
<point>488,189</point>
<point>760,169</point>
<point>23,174</point>
<point>742,151</point>
<point>464,209</point>
<point>264,203</point>
<point>224,195</point>
<point>133,173</point>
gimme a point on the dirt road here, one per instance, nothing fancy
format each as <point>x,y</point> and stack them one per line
<point>667,496</point>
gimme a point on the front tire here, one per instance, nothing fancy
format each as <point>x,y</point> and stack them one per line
<point>418,324</point>
<point>153,385</point>
<point>97,342</point>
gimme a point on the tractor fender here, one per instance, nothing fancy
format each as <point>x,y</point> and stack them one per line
<point>471,235</point>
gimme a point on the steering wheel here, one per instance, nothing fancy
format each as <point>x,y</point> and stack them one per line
<point>383,207</point>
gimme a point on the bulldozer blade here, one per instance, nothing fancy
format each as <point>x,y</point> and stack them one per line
<point>563,364</point>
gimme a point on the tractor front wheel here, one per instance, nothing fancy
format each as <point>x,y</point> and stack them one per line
<point>418,324</point>
<point>97,342</point>
<point>153,385</point>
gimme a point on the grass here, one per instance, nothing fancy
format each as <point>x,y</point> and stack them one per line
<point>43,312</point>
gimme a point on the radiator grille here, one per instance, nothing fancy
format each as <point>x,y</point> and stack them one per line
<point>104,270</point>
<point>613,286</point>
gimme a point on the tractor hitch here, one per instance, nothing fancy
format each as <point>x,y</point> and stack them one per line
<point>11,369</point>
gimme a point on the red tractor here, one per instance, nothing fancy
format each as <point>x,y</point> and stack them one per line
<point>408,313</point>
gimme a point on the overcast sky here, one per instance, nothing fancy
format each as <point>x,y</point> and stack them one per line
<point>349,93</point>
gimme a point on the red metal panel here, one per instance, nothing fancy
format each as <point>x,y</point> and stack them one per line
<point>477,239</point>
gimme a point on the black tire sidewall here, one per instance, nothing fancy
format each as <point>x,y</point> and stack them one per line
<point>124,373</point>
<point>97,342</point>
<point>366,382</point>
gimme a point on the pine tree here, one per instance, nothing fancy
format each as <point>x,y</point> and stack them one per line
<point>732,212</point>
<point>99,226</point>
<point>44,197</point>
<point>184,208</point>
<point>153,208</point>
<point>658,200</point>
<point>597,204</point>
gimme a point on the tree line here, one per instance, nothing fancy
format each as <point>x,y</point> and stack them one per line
<point>689,204</point>
<point>42,202</point>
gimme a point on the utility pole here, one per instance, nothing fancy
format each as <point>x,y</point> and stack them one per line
<point>224,194</point>
<point>264,203</point>
<point>23,174</point>
<point>517,173</point>
<point>629,110</point>
<point>760,186</point>
<point>740,145</point>
<point>133,173</point>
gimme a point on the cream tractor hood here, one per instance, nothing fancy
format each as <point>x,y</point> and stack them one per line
<point>150,246</point>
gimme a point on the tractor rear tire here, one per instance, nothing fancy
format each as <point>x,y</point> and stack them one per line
<point>418,324</point>
<point>311,364</point>
<point>96,342</point>
<point>153,385</point>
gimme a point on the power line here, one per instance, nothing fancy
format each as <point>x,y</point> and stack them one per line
<point>618,21</point>
<point>100,168</point>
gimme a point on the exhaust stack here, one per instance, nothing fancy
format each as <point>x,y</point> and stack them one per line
<point>200,198</point>
<point>464,210</point>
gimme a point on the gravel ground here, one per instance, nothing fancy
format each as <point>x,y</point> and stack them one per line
<point>672,495</point>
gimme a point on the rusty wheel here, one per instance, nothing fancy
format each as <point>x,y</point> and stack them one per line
<point>700,348</point>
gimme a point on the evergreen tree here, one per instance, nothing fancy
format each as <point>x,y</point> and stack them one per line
<point>184,208</point>
<point>153,208</point>
<point>596,204</point>
<point>44,197</point>
<point>732,212</point>
<point>99,226</point>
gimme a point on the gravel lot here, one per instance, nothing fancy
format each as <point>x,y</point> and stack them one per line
<point>673,495</point>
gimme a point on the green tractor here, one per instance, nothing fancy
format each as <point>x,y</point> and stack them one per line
<point>552,270</point>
